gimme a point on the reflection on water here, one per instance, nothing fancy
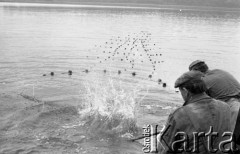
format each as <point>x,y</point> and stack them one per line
<point>136,49</point>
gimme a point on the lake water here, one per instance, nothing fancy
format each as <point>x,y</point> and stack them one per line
<point>117,56</point>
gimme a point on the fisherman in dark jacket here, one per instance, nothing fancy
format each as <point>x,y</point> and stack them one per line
<point>220,84</point>
<point>199,114</point>
<point>223,86</point>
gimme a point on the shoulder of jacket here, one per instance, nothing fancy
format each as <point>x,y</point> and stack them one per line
<point>177,112</point>
<point>219,102</point>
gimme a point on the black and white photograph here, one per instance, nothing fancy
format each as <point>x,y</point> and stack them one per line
<point>119,76</point>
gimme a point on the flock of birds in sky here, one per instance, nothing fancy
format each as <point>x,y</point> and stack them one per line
<point>132,50</point>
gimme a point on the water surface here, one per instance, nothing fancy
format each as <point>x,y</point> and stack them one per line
<point>45,114</point>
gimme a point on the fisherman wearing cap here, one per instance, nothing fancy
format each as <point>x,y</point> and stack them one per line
<point>198,114</point>
<point>223,86</point>
<point>220,84</point>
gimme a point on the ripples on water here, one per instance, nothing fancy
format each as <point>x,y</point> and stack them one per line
<point>98,111</point>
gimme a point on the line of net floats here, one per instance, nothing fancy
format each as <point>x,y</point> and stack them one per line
<point>70,72</point>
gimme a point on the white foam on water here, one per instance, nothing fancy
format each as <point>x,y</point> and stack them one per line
<point>110,98</point>
<point>110,107</point>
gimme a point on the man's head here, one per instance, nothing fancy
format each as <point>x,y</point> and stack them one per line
<point>198,65</point>
<point>190,83</point>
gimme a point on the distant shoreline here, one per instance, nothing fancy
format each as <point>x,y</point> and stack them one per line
<point>132,5</point>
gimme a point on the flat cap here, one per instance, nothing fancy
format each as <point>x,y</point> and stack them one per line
<point>190,75</point>
<point>194,63</point>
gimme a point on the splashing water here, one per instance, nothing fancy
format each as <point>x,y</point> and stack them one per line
<point>110,108</point>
